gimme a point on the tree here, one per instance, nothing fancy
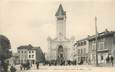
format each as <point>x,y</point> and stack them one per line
<point>5,52</point>
<point>40,55</point>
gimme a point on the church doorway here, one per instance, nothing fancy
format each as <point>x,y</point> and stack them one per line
<point>60,55</point>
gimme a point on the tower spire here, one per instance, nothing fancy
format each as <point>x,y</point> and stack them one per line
<point>60,11</point>
<point>61,22</point>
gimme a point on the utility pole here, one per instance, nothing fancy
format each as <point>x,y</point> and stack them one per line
<point>96,41</point>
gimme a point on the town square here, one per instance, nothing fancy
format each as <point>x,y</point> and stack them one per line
<point>57,36</point>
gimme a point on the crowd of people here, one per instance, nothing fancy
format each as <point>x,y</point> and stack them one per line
<point>28,65</point>
<point>110,59</point>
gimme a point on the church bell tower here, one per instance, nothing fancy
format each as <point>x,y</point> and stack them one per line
<point>61,23</point>
<point>60,48</point>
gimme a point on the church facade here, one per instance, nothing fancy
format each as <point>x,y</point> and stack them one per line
<point>60,49</point>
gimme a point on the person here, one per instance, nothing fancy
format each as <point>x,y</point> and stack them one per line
<point>107,59</point>
<point>28,65</point>
<point>21,66</point>
<point>13,69</point>
<point>37,65</point>
<point>112,60</point>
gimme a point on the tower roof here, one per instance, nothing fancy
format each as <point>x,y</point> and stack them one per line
<point>60,11</point>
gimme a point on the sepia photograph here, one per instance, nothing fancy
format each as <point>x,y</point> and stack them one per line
<point>57,35</point>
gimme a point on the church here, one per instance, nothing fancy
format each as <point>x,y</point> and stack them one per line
<point>60,49</point>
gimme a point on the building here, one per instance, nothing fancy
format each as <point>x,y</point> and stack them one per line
<point>81,51</point>
<point>105,47</point>
<point>30,53</point>
<point>60,48</point>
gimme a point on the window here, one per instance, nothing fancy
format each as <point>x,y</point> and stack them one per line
<point>84,42</point>
<point>81,51</point>
<point>32,51</point>
<point>102,39</point>
<point>101,46</point>
<point>78,44</point>
<point>22,51</point>
<point>29,51</point>
<point>25,51</point>
<point>29,56</point>
<point>84,50</point>
<point>32,56</point>
<point>93,46</point>
<point>78,51</point>
<point>18,51</point>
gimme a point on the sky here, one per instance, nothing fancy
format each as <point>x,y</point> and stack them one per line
<point>33,21</point>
